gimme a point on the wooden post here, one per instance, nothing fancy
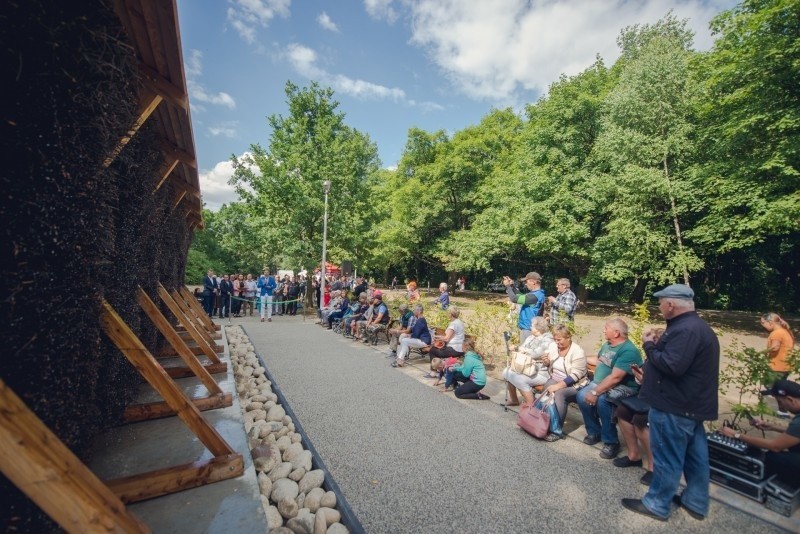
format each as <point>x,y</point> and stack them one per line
<point>190,326</point>
<point>194,319</point>
<point>177,343</point>
<point>198,310</point>
<point>136,353</point>
<point>45,470</point>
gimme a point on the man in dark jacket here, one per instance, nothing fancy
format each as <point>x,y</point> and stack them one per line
<point>681,385</point>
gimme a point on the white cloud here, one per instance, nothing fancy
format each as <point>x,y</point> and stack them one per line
<point>304,61</point>
<point>381,10</point>
<point>246,16</point>
<point>325,21</point>
<point>225,129</point>
<point>493,50</point>
<point>214,184</point>
<point>197,93</point>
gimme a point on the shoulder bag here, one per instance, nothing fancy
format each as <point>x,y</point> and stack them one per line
<point>535,418</point>
<point>524,364</point>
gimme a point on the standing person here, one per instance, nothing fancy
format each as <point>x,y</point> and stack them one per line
<point>361,286</point>
<point>681,385</point>
<point>250,288</point>
<point>267,285</point>
<point>779,343</point>
<point>562,307</point>
<point>238,293</point>
<point>292,294</point>
<point>394,283</point>
<point>209,292</point>
<point>532,302</point>
<point>225,289</point>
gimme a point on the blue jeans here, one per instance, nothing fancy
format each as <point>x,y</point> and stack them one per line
<point>597,418</point>
<point>679,446</point>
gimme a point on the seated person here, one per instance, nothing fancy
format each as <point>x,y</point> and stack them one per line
<point>566,363</point>
<point>332,306</point>
<point>412,294</point>
<point>453,338</point>
<point>613,380</point>
<point>420,337</point>
<point>536,345</point>
<point>358,326</point>
<point>443,300</point>
<point>356,313</point>
<point>407,321</point>
<point>344,306</point>
<point>379,320</point>
<point>783,451</point>
<point>631,416</point>
<point>469,377</point>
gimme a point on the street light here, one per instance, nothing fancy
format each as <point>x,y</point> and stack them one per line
<point>326,187</point>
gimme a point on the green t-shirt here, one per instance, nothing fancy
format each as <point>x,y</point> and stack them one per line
<point>621,357</point>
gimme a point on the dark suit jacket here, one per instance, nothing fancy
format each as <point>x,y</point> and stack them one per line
<point>209,285</point>
<point>225,288</point>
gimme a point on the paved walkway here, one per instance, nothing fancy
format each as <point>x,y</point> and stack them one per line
<point>411,459</point>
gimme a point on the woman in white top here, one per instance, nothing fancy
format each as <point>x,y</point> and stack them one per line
<point>453,338</point>
<point>566,363</point>
<point>537,345</point>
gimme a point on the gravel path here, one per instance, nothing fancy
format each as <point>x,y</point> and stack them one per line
<point>410,459</point>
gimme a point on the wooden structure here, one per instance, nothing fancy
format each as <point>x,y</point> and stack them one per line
<point>153,29</point>
<point>226,463</point>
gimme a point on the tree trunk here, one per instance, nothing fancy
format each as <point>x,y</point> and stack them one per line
<point>675,219</point>
<point>639,287</point>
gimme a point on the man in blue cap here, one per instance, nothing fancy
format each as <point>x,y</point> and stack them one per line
<point>681,382</point>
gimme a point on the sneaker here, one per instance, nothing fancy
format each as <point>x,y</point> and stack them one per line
<point>624,461</point>
<point>591,440</point>
<point>262,319</point>
<point>647,478</point>
<point>783,415</point>
<point>610,450</point>
<point>554,437</point>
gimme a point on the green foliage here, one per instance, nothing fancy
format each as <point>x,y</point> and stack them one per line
<point>487,324</point>
<point>641,317</point>
<point>747,372</point>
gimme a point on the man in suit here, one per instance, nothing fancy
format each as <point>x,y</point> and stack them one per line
<point>225,289</point>
<point>210,288</point>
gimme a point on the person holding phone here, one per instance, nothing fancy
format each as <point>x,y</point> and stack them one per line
<point>532,302</point>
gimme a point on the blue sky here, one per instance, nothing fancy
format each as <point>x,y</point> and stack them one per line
<point>393,64</point>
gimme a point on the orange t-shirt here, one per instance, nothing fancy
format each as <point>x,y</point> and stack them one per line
<point>782,336</point>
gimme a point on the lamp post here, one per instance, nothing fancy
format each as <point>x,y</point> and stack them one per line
<point>326,187</point>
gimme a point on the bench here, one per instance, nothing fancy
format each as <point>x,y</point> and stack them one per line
<point>439,332</point>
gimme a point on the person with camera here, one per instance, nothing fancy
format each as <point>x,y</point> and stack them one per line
<point>532,302</point>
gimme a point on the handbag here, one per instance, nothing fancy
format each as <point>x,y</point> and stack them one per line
<point>524,364</point>
<point>535,418</point>
<point>635,404</point>
<point>439,343</point>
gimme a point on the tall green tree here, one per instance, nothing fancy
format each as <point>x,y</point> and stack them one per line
<point>645,151</point>
<point>282,185</point>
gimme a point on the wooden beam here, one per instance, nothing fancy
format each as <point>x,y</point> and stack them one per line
<point>174,151</point>
<point>161,322</point>
<point>45,470</point>
<point>179,314</point>
<point>183,372</point>
<point>187,295</point>
<point>163,87</point>
<point>197,317</point>
<point>148,102</point>
<point>165,171</point>
<point>164,481</point>
<point>178,198</point>
<point>136,353</point>
<point>158,410</point>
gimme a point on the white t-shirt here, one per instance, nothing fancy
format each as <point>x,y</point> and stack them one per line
<point>457,341</point>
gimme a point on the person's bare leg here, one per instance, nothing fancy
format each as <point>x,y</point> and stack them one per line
<point>513,400</point>
<point>644,436</point>
<point>629,435</point>
<point>527,396</point>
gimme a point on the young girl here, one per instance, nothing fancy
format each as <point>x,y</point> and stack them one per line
<point>439,367</point>
<point>471,375</point>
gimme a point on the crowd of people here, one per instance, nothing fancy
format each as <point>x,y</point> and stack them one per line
<point>658,401</point>
<point>240,294</point>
